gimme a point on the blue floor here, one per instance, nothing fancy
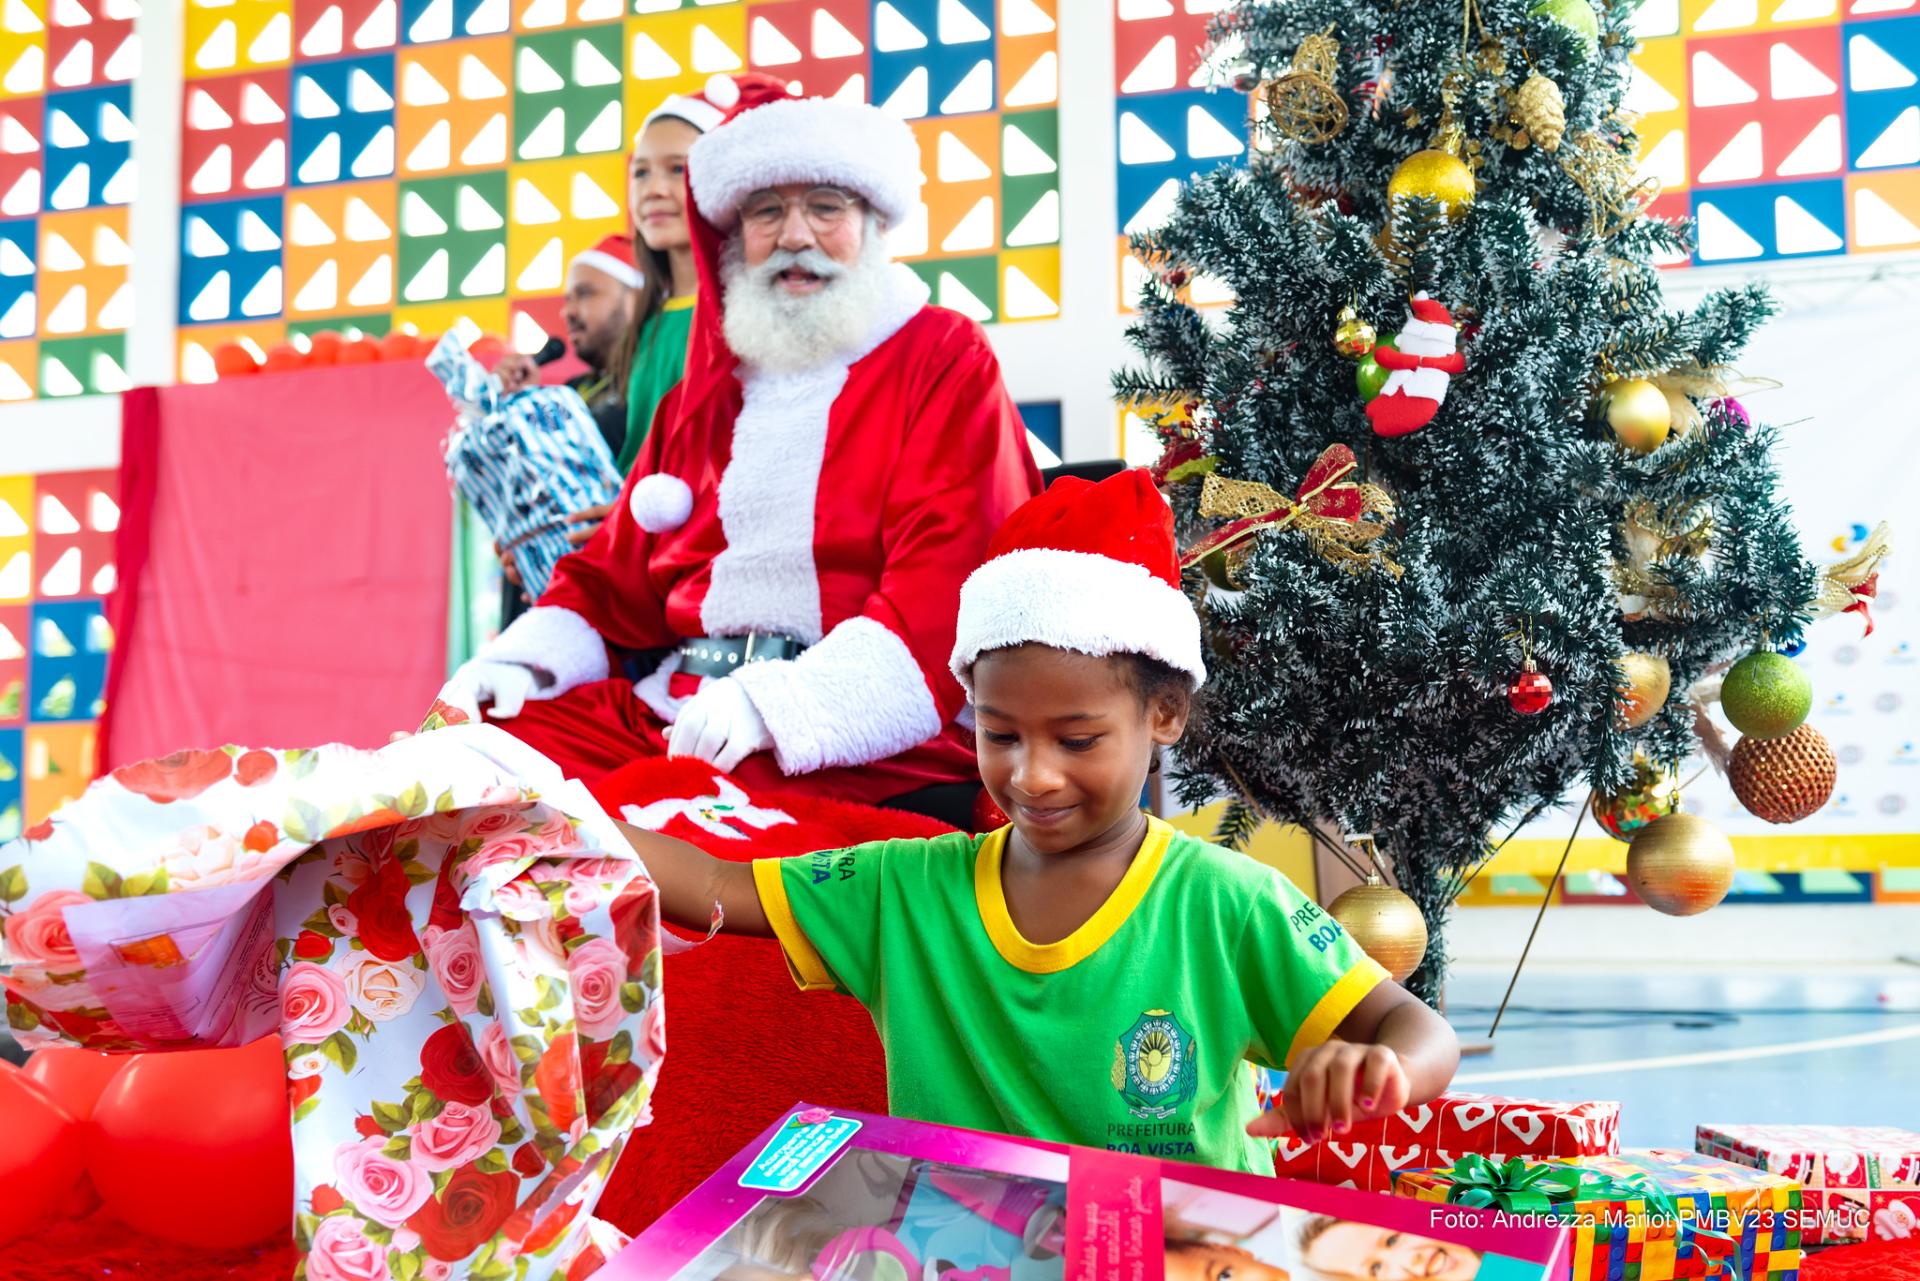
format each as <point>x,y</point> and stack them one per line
<point>1838,1047</point>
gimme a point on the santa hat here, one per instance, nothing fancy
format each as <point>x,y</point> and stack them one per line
<point>1085,567</point>
<point>694,108</point>
<point>612,257</point>
<point>769,137</point>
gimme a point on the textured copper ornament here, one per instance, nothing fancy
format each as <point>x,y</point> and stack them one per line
<point>1783,779</point>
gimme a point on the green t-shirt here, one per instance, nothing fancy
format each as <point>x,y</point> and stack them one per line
<point>1132,1033</point>
<point>659,359</point>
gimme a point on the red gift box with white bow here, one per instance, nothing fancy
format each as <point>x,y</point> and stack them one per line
<point>1450,1127</point>
<point>1862,1181</point>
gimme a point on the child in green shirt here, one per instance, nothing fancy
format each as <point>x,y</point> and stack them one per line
<point>1086,974</point>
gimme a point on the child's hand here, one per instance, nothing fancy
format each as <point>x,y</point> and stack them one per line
<point>1330,1087</point>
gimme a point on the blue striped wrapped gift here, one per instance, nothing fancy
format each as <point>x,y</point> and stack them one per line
<point>526,461</point>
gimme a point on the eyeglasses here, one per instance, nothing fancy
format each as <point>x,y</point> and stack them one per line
<point>824,209</point>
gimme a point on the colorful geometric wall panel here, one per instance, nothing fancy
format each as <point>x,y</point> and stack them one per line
<point>453,240</point>
<point>233,138</point>
<point>343,120</point>
<point>1800,117</point>
<point>816,46</point>
<point>566,94</point>
<point>230,265</point>
<point>23,48</point>
<point>455,103</point>
<point>1165,139</point>
<point>341,249</point>
<point>56,563</point>
<point>91,42</point>
<point>237,35</point>
<point>934,57</point>
<point>19,255</point>
<point>1157,45</point>
<point>22,158</point>
<point>678,52</point>
<point>83,273</point>
<point>328,28</point>
<point>89,147</point>
<point>356,164</point>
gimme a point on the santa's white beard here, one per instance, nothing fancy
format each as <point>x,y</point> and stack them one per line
<point>771,329</point>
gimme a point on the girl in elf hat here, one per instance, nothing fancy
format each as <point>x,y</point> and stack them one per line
<point>1086,974</point>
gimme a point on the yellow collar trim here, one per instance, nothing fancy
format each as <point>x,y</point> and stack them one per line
<point>1050,958</point>
<point>683,302</point>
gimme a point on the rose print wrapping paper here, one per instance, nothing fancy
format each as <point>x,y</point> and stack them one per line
<point>459,951</point>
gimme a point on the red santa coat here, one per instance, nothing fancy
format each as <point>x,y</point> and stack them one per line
<point>843,506</point>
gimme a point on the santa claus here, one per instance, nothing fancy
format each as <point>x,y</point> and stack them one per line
<point>795,531</point>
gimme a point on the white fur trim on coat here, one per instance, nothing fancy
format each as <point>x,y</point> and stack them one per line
<point>765,579</point>
<point>1424,338</point>
<point>555,640</point>
<point>856,697</point>
<point>818,140</point>
<point>660,503</point>
<point>1074,600</point>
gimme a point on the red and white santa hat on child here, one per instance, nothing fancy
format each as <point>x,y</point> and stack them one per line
<point>696,109</point>
<point>612,257</point>
<point>1087,567</point>
<point>769,137</point>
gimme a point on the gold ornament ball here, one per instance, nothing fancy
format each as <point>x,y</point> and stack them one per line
<point>1652,794</point>
<point>1385,923</point>
<point>1352,336</point>
<point>1681,865</point>
<point>1649,681</point>
<point>1638,412</point>
<point>1783,779</point>
<point>1438,175</point>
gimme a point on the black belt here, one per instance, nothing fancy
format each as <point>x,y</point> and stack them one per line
<point>723,655</point>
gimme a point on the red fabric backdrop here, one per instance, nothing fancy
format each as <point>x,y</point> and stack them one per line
<point>283,559</point>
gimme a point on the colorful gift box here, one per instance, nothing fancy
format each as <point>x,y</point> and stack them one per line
<point>1639,1216</point>
<point>842,1194</point>
<point>1862,1182</point>
<point>1437,1133</point>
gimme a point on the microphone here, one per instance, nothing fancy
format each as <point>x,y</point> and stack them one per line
<point>550,353</point>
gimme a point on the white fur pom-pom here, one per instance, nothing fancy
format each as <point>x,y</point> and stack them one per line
<point>660,503</point>
<point>722,90</point>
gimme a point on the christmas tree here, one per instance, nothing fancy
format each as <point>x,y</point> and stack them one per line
<point>1549,477</point>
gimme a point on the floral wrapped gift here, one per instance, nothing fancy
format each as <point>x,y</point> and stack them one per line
<point>1862,1181</point>
<point>1639,1216</point>
<point>1436,1133</point>
<point>526,461</point>
<point>458,949</point>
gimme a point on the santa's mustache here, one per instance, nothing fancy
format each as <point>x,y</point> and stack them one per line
<point>813,261</point>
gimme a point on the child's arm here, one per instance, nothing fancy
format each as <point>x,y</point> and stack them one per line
<point>1392,1051</point>
<point>691,881</point>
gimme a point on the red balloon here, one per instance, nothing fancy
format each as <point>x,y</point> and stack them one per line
<point>361,351</point>
<point>230,360</point>
<point>400,345</point>
<point>195,1147</point>
<point>75,1077</point>
<point>487,350</point>
<point>43,1156</point>
<point>284,356</point>
<point>325,347</point>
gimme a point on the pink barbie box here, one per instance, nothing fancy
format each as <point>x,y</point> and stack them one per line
<point>842,1196</point>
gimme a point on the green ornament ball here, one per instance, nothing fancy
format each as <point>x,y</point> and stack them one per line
<point>1766,695</point>
<point>1576,16</point>
<point>1369,376</point>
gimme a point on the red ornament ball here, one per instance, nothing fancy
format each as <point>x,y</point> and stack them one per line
<point>1530,692</point>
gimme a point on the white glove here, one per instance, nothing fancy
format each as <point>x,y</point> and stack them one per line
<point>719,725</point>
<point>479,680</point>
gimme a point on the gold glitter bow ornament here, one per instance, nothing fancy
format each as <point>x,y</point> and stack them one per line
<point>1340,519</point>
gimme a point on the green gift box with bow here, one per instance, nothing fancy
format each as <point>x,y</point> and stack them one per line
<point>1639,1216</point>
